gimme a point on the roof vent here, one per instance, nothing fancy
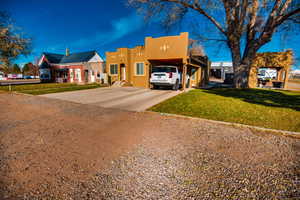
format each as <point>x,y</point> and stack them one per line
<point>67,51</point>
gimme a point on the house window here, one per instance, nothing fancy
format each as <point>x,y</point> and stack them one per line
<point>113,69</point>
<point>139,69</point>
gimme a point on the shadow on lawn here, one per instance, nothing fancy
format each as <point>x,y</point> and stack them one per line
<point>261,97</point>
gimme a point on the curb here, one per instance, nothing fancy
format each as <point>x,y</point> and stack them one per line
<point>24,94</point>
<point>261,129</point>
<point>17,93</point>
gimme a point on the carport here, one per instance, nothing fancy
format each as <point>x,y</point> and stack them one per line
<point>174,50</point>
<point>193,72</point>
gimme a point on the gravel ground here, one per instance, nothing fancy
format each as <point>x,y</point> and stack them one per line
<point>52,149</point>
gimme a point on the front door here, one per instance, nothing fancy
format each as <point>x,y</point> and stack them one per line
<point>86,76</point>
<point>123,72</point>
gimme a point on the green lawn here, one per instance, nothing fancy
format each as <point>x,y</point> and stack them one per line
<point>45,88</point>
<point>258,107</point>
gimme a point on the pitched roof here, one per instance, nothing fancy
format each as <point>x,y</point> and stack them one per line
<point>53,57</point>
<point>72,58</point>
<point>44,65</point>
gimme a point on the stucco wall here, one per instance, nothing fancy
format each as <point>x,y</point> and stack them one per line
<point>169,47</point>
<point>121,56</point>
<point>137,55</point>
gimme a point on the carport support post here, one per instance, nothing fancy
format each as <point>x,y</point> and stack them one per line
<point>184,77</point>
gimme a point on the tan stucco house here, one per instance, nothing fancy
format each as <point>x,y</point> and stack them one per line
<point>280,62</point>
<point>133,65</point>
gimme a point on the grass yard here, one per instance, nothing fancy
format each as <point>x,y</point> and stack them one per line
<point>265,108</point>
<point>46,88</point>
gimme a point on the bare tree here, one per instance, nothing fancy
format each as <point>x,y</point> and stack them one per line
<point>245,25</point>
<point>30,69</point>
<point>12,43</point>
<point>195,48</point>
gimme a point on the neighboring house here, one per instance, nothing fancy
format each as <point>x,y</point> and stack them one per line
<point>277,62</point>
<point>220,69</point>
<point>133,65</point>
<point>84,67</point>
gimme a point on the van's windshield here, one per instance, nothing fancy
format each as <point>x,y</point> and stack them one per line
<point>163,69</point>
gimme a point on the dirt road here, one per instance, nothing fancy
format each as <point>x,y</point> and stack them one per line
<point>53,149</point>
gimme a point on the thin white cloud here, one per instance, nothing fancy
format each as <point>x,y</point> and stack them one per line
<point>120,28</point>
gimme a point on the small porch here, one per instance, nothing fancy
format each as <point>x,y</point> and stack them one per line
<point>61,75</point>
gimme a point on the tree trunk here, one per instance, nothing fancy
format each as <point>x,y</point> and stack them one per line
<point>241,75</point>
<point>242,67</point>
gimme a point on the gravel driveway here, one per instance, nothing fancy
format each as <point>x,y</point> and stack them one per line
<point>125,98</point>
<point>54,149</point>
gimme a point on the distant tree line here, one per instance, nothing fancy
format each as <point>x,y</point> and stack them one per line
<point>28,69</point>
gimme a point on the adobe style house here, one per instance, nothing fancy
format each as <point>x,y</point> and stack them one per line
<point>84,67</point>
<point>280,62</point>
<point>133,65</point>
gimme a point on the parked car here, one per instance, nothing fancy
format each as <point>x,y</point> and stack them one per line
<point>27,77</point>
<point>228,78</point>
<point>165,75</point>
<point>14,76</point>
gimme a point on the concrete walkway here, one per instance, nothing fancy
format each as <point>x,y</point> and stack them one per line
<point>125,98</point>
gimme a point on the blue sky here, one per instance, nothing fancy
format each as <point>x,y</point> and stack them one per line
<point>99,25</point>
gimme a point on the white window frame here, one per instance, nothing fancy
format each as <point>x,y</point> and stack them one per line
<point>135,68</point>
<point>113,64</point>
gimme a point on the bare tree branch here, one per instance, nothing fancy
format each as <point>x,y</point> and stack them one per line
<point>197,7</point>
